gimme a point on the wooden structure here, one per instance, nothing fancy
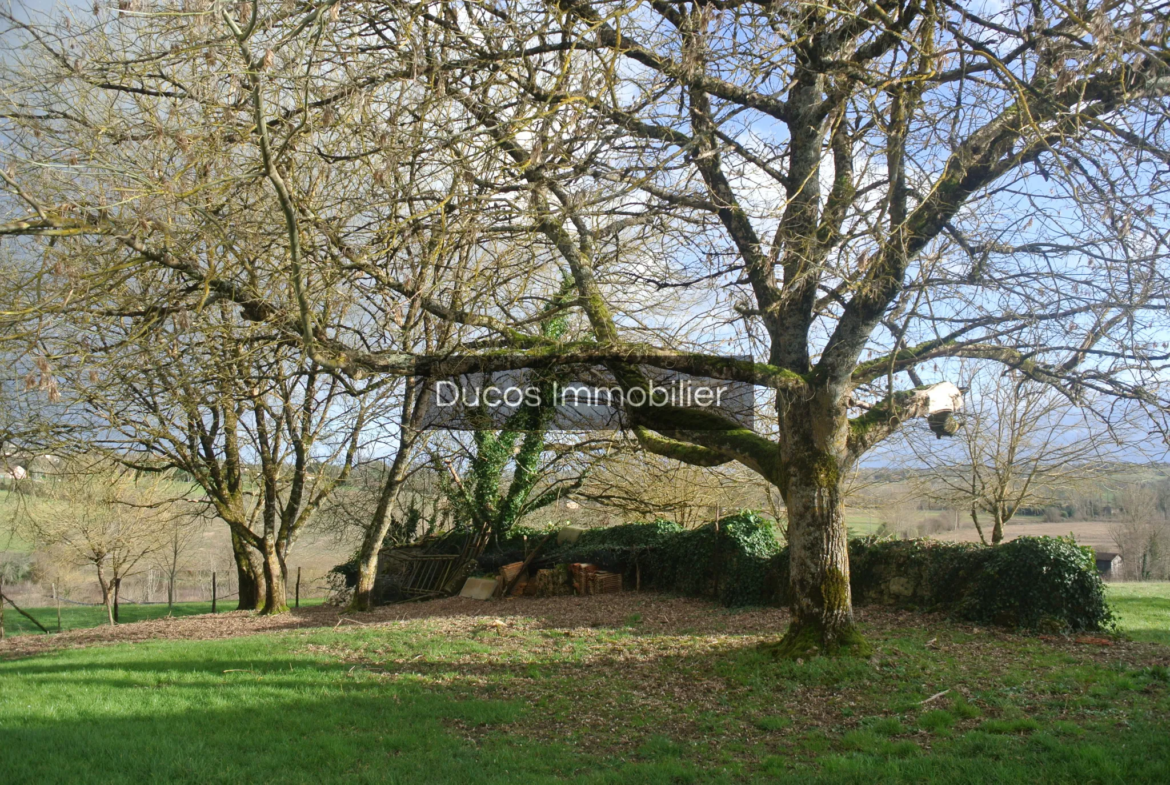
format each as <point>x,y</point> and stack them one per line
<point>428,574</point>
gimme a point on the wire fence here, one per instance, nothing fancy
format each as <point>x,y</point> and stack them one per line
<point>154,588</point>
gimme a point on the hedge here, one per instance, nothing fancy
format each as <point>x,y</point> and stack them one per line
<point>729,560</point>
<point>1036,583</point>
<point>1039,583</point>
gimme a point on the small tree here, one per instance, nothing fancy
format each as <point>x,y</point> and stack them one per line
<point>1142,535</point>
<point>1021,445</point>
<point>179,534</point>
<point>105,516</point>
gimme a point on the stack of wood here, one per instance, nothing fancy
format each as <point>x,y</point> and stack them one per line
<point>581,579</point>
<point>605,582</point>
<point>507,573</point>
<point>581,573</point>
<point>587,579</point>
<point>552,583</point>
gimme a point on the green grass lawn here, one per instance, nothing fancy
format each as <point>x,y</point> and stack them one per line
<point>1143,610</point>
<point>468,701</point>
<point>76,617</point>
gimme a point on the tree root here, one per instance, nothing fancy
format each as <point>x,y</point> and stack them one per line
<point>803,641</point>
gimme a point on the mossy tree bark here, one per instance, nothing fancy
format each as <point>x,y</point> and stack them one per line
<point>249,575</point>
<point>814,455</point>
<point>275,588</point>
<point>821,601</point>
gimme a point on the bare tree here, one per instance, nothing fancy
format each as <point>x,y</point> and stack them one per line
<point>265,436</point>
<point>180,533</point>
<point>1021,445</point>
<point>1142,535</point>
<point>634,484</point>
<point>104,516</point>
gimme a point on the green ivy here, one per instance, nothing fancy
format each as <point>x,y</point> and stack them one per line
<point>1037,583</point>
<point>480,499</point>
<point>1045,583</point>
<point>729,560</point>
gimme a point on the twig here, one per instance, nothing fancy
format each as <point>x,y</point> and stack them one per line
<point>23,613</point>
<point>340,619</point>
<point>933,697</point>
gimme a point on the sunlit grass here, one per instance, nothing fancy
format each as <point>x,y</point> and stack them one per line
<point>1143,609</point>
<point>423,701</point>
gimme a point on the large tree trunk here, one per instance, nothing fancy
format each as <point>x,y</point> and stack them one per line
<point>275,591</point>
<point>249,575</point>
<point>814,457</point>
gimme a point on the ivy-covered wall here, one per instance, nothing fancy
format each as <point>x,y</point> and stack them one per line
<point>1044,583</point>
<point>729,560</point>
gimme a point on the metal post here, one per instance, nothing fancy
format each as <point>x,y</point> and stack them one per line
<point>213,591</point>
<point>117,589</point>
<point>298,587</point>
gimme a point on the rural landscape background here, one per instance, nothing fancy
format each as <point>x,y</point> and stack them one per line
<point>883,502</point>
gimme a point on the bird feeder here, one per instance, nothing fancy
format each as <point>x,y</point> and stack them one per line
<point>940,402</point>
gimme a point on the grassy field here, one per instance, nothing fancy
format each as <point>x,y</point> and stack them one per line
<point>78,617</point>
<point>641,690</point>
<point>1143,610</point>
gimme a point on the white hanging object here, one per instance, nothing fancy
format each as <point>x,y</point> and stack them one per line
<point>939,402</point>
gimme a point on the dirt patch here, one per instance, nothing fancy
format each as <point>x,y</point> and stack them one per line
<point>653,613</point>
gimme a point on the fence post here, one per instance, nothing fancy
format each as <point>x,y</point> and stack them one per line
<point>213,592</point>
<point>298,587</point>
<point>57,602</point>
<point>117,589</point>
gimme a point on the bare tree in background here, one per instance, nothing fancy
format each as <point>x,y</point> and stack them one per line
<point>180,535</point>
<point>1142,536</point>
<point>105,516</point>
<point>641,486</point>
<point>1021,445</point>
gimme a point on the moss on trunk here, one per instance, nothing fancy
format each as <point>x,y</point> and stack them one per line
<point>808,639</point>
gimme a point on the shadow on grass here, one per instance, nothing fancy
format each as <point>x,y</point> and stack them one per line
<point>266,709</point>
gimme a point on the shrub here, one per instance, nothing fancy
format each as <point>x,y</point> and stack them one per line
<point>1047,583</point>
<point>1038,583</point>
<point>346,572</point>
